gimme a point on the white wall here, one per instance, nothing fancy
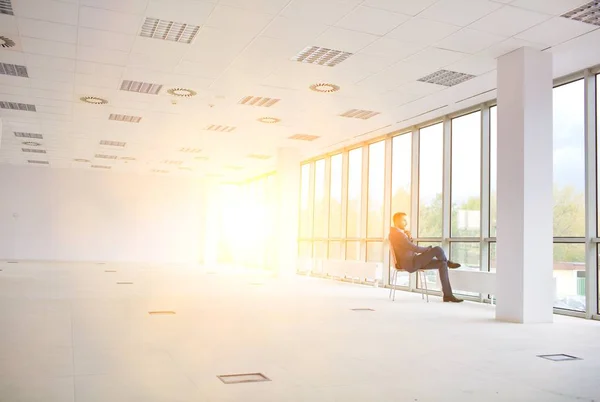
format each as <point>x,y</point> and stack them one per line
<point>84,215</point>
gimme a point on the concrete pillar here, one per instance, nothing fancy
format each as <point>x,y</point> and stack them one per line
<point>525,201</point>
<point>288,209</point>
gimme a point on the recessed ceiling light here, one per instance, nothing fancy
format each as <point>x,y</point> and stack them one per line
<point>82,160</point>
<point>6,7</point>
<point>190,150</point>
<point>321,56</point>
<point>269,120</point>
<point>446,78</point>
<point>303,137</point>
<point>101,167</point>
<point>113,143</point>
<point>169,162</point>
<point>182,92</point>
<point>102,156</point>
<point>94,100</point>
<point>141,87</point>
<point>588,13</point>
<point>32,143</point>
<point>127,158</point>
<point>324,87</point>
<point>13,69</point>
<point>34,151</point>
<point>220,128</point>
<point>169,30</point>
<point>17,106</point>
<point>258,101</point>
<point>6,42</point>
<point>28,135</point>
<point>124,118</point>
<point>38,162</point>
<point>359,114</point>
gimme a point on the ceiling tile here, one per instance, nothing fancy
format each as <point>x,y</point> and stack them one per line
<point>238,20</point>
<point>154,62</point>
<point>317,11</point>
<point>97,55</point>
<point>105,39</point>
<point>263,6</point>
<point>419,30</point>
<point>408,7</point>
<point>9,25</point>
<point>392,49</point>
<point>110,20</point>
<point>469,41</point>
<point>554,7</point>
<point>372,20</point>
<point>474,65</point>
<point>292,29</point>
<point>54,86</point>
<point>459,12</point>
<point>201,69</point>
<point>129,6</point>
<point>508,46</point>
<point>509,21</point>
<point>167,49</point>
<point>186,11</point>
<point>47,30</point>
<point>555,31</point>
<point>42,93</point>
<point>106,70</point>
<point>394,76</point>
<point>49,48</point>
<point>344,39</point>
<point>97,81</point>
<point>47,10</point>
<point>12,57</point>
<point>433,57</point>
<point>56,63</point>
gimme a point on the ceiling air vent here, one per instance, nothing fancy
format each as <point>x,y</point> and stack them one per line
<point>259,156</point>
<point>324,87</point>
<point>169,30</point>
<point>303,137</point>
<point>38,162</point>
<point>127,158</point>
<point>101,167</point>
<point>113,143</point>
<point>588,13</point>
<point>17,106</point>
<point>101,156</point>
<point>141,87</point>
<point>258,101</point>
<point>6,42</point>
<point>269,120</point>
<point>321,56</point>
<point>219,128</point>
<point>34,151</point>
<point>6,7</point>
<point>160,171</point>
<point>81,160</point>
<point>94,100</point>
<point>446,78</point>
<point>190,150</point>
<point>32,143</point>
<point>124,118</point>
<point>28,135</point>
<point>169,162</point>
<point>182,92</point>
<point>359,114</point>
<point>13,69</point>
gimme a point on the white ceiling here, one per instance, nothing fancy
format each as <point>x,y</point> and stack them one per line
<point>75,48</point>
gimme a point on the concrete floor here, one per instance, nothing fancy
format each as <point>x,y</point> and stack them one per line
<point>68,332</point>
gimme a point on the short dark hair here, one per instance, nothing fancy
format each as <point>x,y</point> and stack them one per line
<point>398,215</point>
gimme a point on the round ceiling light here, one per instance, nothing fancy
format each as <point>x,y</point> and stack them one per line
<point>324,87</point>
<point>269,120</point>
<point>32,144</point>
<point>182,92</point>
<point>94,100</point>
<point>6,42</point>
<point>82,160</point>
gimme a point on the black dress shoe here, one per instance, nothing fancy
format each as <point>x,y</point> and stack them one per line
<point>452,299</point>
<point>453,265</point>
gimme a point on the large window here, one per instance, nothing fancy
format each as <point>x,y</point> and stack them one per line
<point>335,197</point>
<point>375,190</point>
<point>354,203</point>
<point>305,210</point>
<point>466,167</point>
<point>431,174</point>
<point>401,173</point>
<point>320,205</point>
<point>493,169</point>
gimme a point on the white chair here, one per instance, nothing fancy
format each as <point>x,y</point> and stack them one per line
<point>394,277</point>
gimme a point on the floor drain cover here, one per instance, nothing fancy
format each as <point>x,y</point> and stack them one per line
<point>242,378</point>
<point>559,357</point>
<point>362,309</point>
<point>124,283</point>
<point>161,312</point>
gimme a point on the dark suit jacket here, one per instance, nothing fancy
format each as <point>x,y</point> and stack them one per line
<point>404,249</point>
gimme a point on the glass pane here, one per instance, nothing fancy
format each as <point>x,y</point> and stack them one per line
<point>466,254</point>
<point>375,191</point>
<point>401,173</point>
<point>569,276</point>
<point>320,205</point>
<point>335,250</point>
<point>320,249</point>
<point>569,160</point>
<point>431,170</point>
<point>335,197</point>
<point>375,251</point>
<point>492,251</point>
<point>305,249</point>
<point>305,215</point>
<point>433,278</point>
<point>493,169</point>
<point>466,175</point>
<point>354,193</point>
<point>353,250</point>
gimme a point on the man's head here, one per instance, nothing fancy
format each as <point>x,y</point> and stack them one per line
<point>400,220</point>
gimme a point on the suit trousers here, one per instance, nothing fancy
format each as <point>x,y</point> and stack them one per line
<point>435,258</point>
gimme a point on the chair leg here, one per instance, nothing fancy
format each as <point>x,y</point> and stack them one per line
<point>391,284</point>
<point>425,282</point>
<point>394,286</point>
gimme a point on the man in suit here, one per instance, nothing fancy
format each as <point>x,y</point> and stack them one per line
<point>411,257</point>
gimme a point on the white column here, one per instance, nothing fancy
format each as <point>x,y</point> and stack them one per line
<point>288,212</point>
<point>524,234</point>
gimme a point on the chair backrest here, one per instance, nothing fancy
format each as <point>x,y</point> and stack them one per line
<point>393,254</point>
